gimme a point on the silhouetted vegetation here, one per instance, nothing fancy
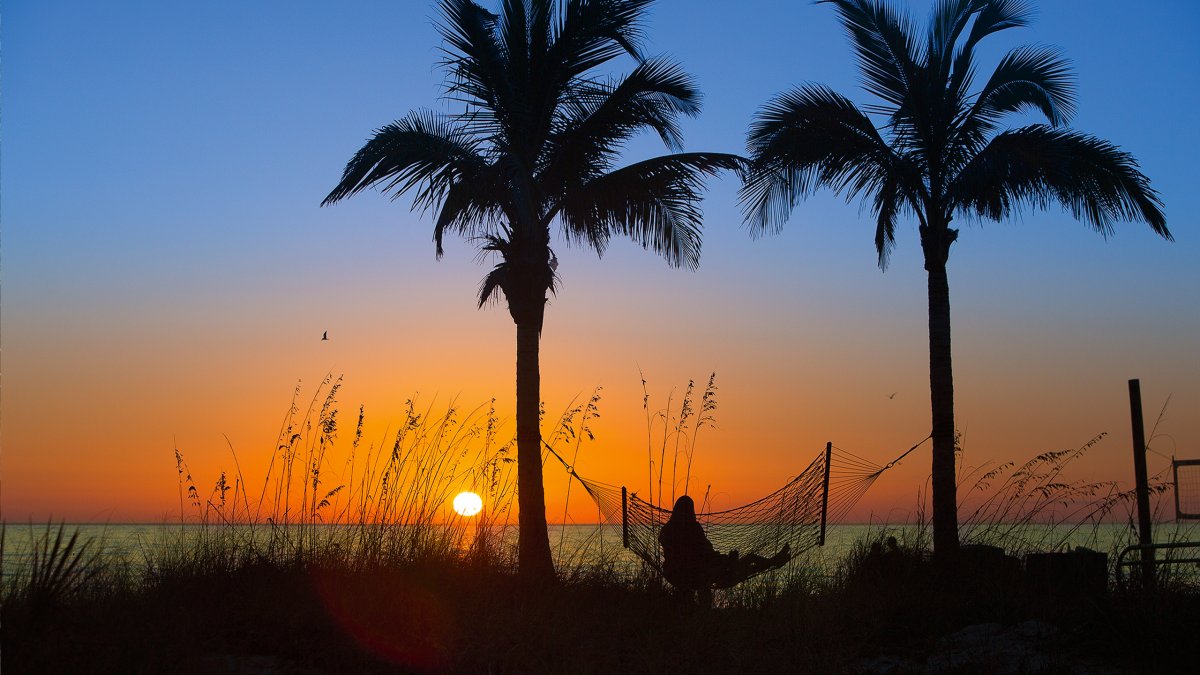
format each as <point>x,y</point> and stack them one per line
<point>271,584</point>
<point>443,611</point>
<point>939,153</point>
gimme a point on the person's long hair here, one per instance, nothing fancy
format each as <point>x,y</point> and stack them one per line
<point>683,512</point>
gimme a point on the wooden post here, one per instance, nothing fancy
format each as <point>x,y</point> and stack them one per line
<point>1175,477</point>
<point>1142,487</point>
<point>825,492</point>
<point>624,517</point>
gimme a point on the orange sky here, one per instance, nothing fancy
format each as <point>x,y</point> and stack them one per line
<point>90,437</point>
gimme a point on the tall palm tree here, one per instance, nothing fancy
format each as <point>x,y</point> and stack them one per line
<point>939,153</point>
<point>535,144</point>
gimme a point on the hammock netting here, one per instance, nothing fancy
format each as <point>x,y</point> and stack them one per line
<point>795,514</point>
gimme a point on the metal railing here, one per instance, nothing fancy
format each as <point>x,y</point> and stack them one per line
<point>1123,563</point>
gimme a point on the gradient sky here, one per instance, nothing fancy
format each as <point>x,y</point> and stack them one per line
<point>167,273</point>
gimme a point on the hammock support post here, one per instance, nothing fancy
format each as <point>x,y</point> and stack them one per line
<point>825,492</point>
<point>624,517</point>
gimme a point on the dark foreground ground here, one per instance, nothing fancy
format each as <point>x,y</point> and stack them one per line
<point>444,616</point>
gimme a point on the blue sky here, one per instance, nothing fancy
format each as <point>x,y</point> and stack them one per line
<point>165,262</point>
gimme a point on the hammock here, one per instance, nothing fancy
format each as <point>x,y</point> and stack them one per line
<point>795,514</point>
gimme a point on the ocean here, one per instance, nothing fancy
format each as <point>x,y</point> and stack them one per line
<point>573,546</point>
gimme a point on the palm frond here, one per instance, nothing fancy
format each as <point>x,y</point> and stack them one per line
<point>1037,78</point>
<point>1039,165</point>
<point>476,65</point>
<point>888,203</point>
<point>654,94</point>
<point>808,138</point>
<point>423,151</point>
<point>595,124</point>
<point>949,19</point>
<point>991,16</point>
<point>654,202</point>
<point>472,206</point>
<point>592,33</point>
<point>882,38</point>
<point>541,26</point>
<point>1030,77</point>
<point>499,276</point>
<point>513,33</point>
<point>996,15</point>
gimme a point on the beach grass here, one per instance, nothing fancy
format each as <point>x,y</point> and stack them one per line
<point>454,613</point>
<point>343,559</point>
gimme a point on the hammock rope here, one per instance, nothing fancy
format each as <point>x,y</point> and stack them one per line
<point>796,514</point>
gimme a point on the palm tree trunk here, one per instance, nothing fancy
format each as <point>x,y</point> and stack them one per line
<point>534,562</point>
<point>941,398</point>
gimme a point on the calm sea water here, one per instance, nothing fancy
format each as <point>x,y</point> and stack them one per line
<point>580,545</point>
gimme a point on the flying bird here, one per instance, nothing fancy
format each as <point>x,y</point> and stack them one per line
<point>325,335</point>
<point>893,394</point>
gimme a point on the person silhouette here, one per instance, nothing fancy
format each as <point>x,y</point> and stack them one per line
<point>691,563</point>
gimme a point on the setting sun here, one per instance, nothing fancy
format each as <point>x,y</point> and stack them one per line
<point>467,504</point>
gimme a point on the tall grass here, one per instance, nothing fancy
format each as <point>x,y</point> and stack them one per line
<point>675,430</point>
<point>572,427</point>
<point>57,570</point>
<point>1034,507</point>
<point>361,506</point>
<point>344,557</point>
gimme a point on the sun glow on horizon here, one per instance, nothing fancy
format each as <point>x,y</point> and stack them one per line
<point>468,504</point>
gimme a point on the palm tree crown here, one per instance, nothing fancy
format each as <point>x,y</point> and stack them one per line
<point>938,152</point>
<point>538,139</point>
<point>535,144</point>
<point>940,144</point>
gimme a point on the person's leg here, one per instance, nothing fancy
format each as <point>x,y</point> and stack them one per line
<point>757,562</point>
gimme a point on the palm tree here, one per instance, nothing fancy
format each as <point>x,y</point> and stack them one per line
<point>939,153</point>
<point>535,144</point>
